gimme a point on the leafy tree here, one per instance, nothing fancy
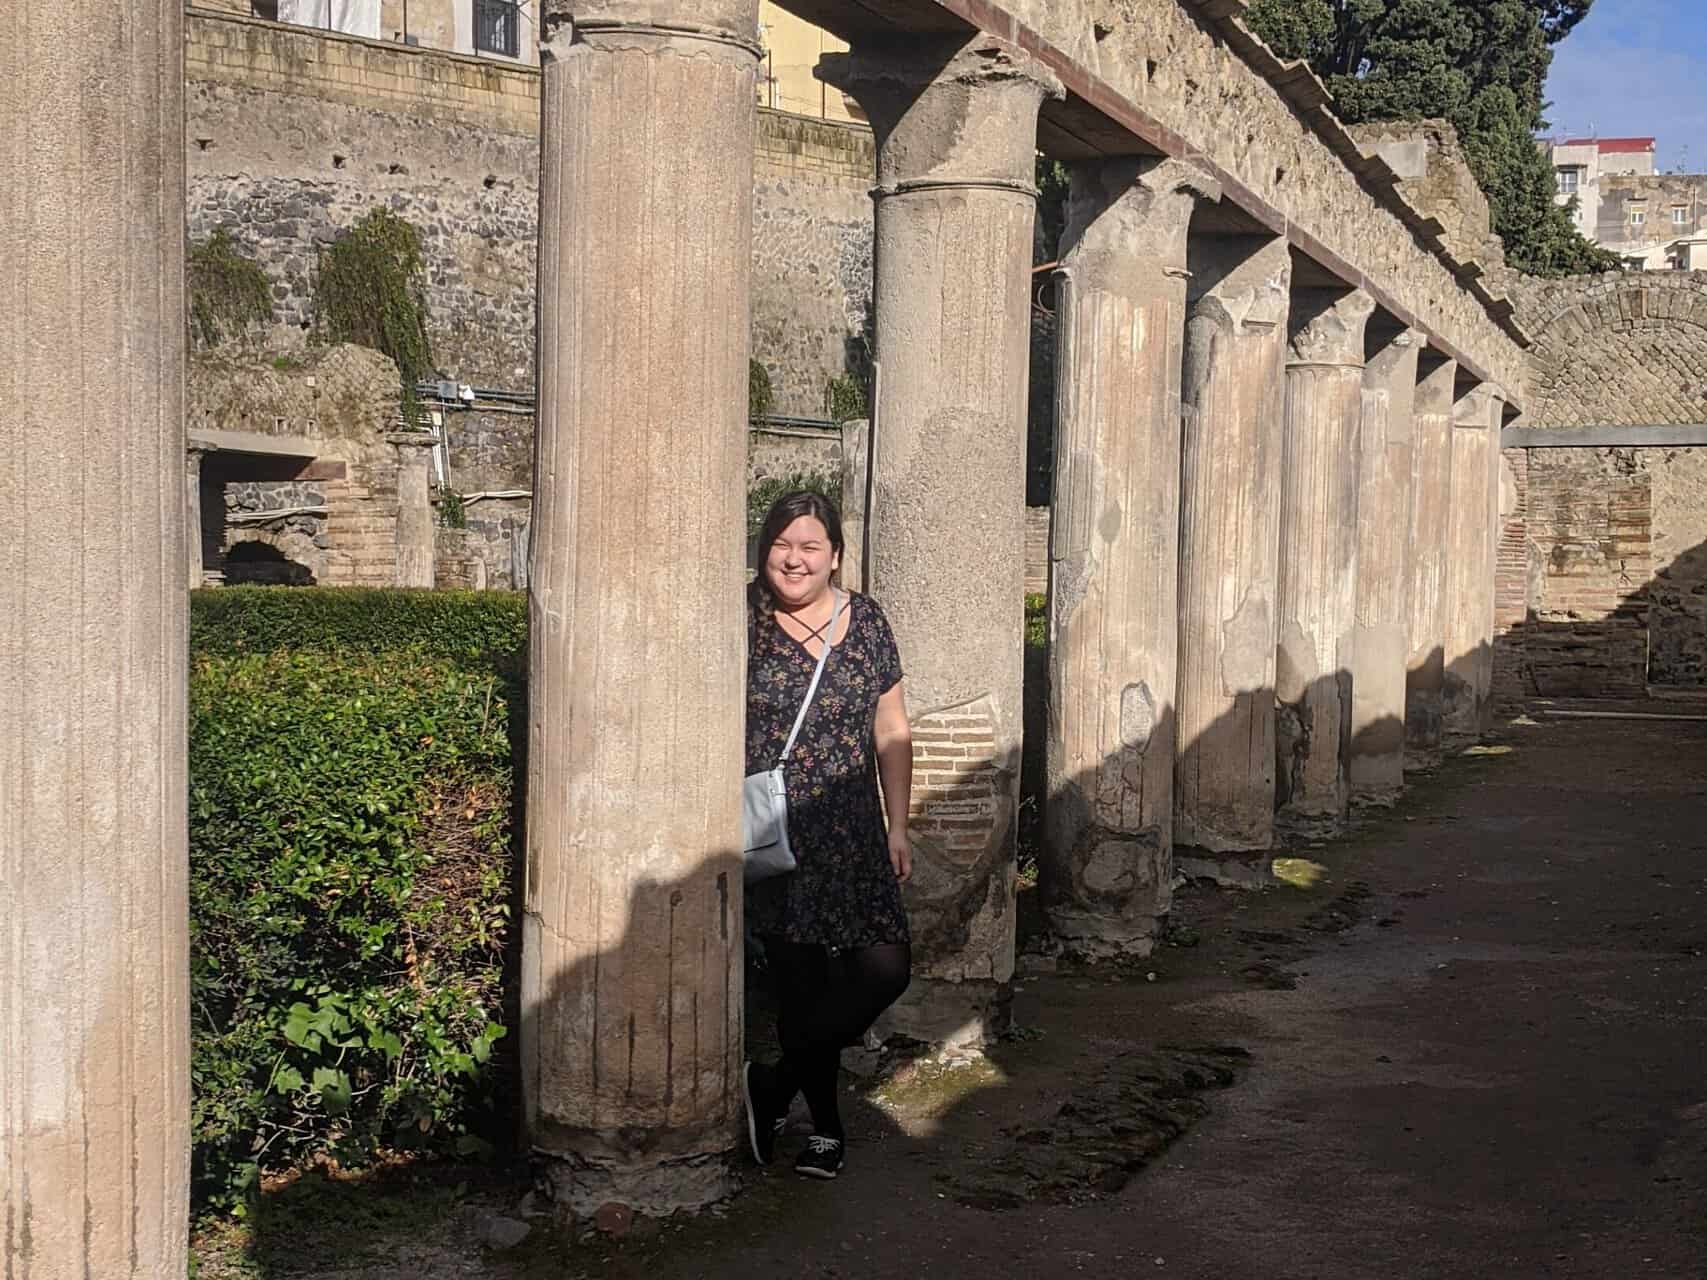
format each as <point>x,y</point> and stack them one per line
<point>1480,64</point>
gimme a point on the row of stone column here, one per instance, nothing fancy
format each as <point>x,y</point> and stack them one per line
<point>1208,497</point>
<point>1272,561</point>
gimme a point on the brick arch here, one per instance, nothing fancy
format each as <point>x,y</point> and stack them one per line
<point>1623,349</point>
<point>296,547</point>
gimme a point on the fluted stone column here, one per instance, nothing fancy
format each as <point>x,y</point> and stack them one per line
<point>414,507</point>
<point>956,134</point>
<point>193,456</point>
<point>94,969</point>
<point>631,951</point>
<point>1471,542</point>
<point>856,479</point>
<point>1319,472</point>
<point>1431,510</point>
<point>1107,864</point>
<point>1381,638</point>
<point>1234,397</point>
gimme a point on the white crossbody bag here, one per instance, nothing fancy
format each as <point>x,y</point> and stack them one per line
<point>764,796</point>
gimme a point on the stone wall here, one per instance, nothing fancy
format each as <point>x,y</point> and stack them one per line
<point>1603,566</point>
<point>296,134</point>
<point>1617,349</point>
<point>338,405</point>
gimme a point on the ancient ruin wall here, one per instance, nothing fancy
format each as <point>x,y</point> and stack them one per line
<point>295,134</point>
<point>1603,568</point>
<point>1174,61</point>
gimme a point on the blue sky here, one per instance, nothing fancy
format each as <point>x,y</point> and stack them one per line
<point>1636,67</point>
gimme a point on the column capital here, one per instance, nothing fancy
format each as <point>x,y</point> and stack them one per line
<point>1479,407</point>
<point>947,113</point>
<point>608,22</point>
<point>1327,327</point>
<point>1243,282</point>
<point>1132,215</point>
<point>1437,379</point>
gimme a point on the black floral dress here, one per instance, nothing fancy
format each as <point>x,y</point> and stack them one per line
<point>844,894</point>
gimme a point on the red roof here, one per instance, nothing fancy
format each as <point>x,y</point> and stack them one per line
<point>1611,146</point>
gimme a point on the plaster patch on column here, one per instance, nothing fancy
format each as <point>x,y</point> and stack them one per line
<point>1109,526</point>
<point>1137,716</point>
<point>1295,666</point>
<point>1247,646</point>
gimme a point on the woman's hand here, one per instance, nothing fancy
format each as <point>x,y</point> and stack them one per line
<point>901,855</point>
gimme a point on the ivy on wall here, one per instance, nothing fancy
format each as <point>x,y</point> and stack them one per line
<point>371,290</point>
<point>228,292</point>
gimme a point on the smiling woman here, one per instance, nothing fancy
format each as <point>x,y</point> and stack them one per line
<point>835,932</point>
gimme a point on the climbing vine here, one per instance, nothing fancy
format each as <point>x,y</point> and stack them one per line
<point>370,290</point>
<point>844,398</point>
<point>760,396</point>
<point>228,292</point>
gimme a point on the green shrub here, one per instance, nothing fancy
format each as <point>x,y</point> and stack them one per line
<point>765,492</point>
<point>228,292</point>
<point>1036,620</point>
<point>489,627</point>
<point>844,399</point>
<point>350,879</point>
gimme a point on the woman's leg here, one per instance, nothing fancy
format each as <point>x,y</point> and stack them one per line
<point>840,1009</point>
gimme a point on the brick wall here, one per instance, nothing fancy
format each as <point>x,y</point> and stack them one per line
<point>1589,529</point>
<point>1511,584</point>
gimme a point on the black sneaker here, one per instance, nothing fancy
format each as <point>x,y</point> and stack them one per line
<point>765,1122</point>
<point>821,1159</point>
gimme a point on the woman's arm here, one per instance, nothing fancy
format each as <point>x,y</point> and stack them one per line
<point>895,768</point>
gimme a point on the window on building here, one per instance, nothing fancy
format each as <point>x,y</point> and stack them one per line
<point>1569,177</point>
<point>1679,216</point>
<point>497,27</point>
<point>1638,216</point>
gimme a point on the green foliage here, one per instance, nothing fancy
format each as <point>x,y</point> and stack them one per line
<point>453,513</point>
<point>760,397</point>
<point>844,399</point>
<point>1036,620</point>
<point>349,887</point>
<point>371,290</point>
<point>763,494</point>
<point>487,629</point>
<point>1482,65</point>
<point>228,292</point>
<point>1052,189</point>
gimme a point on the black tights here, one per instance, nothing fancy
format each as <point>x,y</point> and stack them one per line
<point>826,1002</point>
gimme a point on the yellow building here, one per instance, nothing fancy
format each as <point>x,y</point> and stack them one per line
<point>792,48</point>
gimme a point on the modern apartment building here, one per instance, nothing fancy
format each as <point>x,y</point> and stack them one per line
<point>1654,221</point>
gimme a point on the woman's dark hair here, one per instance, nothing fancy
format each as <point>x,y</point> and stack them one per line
<point>784,512</point>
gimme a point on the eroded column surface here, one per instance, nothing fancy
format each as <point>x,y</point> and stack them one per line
<point>1381,637</point>
<point>956,132</point>
<point>856,478</point>
<point>414,507</point>
<point>1320,466</point>
<point>1431,509</point>
<point>631,961</point>
<point>94,970</point>
<point>1107,863</point>
<point>1470,549</point>
<point>1234,396</point>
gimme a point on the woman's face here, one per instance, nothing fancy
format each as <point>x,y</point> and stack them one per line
<point>800,562</point>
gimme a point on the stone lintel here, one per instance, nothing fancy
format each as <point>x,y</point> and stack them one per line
<point>947,112</point>
<point>1327,327</point>
<point>420,439</point>
<point>258,442</point>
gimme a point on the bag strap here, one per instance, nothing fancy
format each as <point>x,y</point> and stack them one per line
<point>812,689</point>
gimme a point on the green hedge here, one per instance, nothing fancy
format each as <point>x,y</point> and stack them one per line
<point>351,797</point>
<point>482,625</point>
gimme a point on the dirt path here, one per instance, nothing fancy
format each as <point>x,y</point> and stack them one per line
<point>1477,1046</point>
